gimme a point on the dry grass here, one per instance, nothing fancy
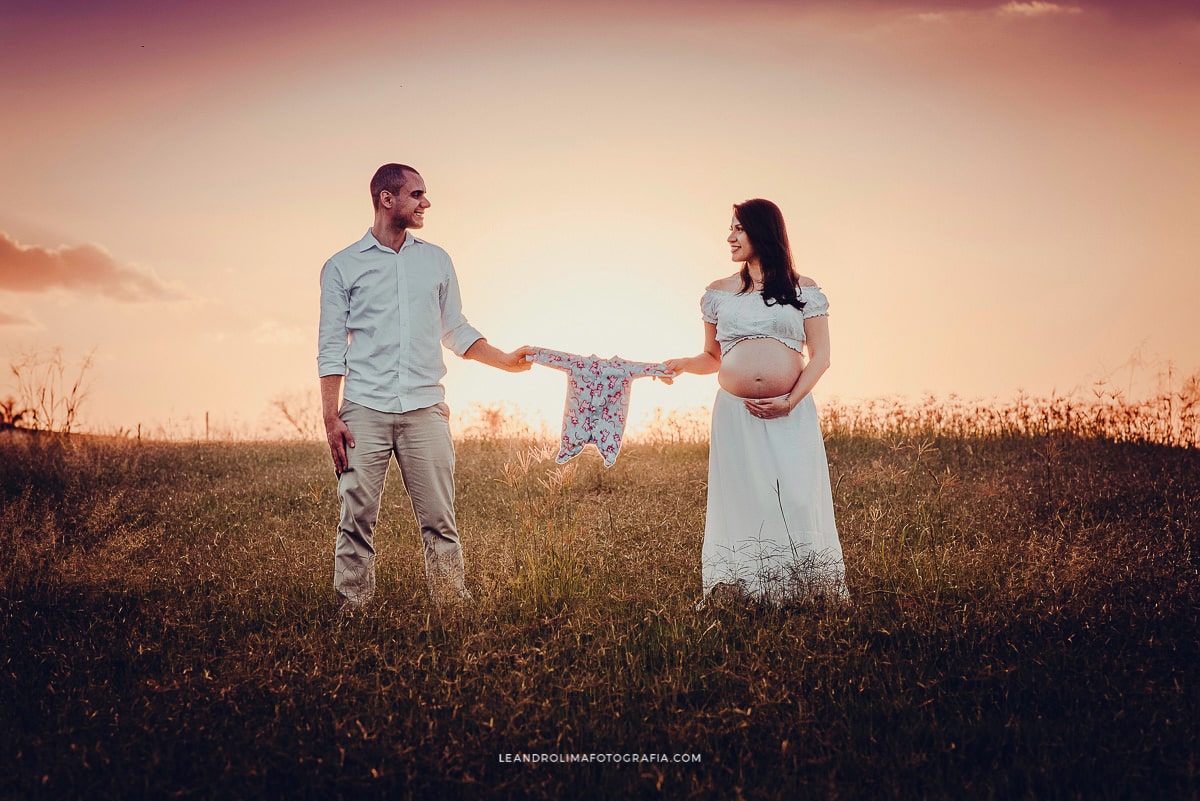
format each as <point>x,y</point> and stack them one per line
<point>1023,625</point>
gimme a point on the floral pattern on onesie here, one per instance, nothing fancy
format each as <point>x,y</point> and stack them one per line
<point>597,399</point>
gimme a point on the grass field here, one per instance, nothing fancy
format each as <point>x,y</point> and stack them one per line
<point>1026,602</point>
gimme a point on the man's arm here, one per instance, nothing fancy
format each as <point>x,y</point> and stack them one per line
<point>331,361</point>
<point>336,432</point>
<point>515,362</point>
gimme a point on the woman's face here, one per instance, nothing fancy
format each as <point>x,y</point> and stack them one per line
<point>740,248</point>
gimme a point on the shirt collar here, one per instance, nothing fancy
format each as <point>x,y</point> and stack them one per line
<point>369,241</point>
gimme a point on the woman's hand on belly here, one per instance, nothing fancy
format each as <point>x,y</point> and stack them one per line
<point>760,368</point>
<point>768,408</point>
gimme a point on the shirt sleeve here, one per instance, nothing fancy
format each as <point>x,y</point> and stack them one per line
<point>458,335</point>
<point>708,307</point>
<point>815,302</point>
<point>332,333</point>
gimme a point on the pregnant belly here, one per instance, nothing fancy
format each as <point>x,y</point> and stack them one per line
<point>760,368</point>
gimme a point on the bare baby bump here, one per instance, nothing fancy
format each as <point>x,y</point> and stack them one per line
<point>760,368</point>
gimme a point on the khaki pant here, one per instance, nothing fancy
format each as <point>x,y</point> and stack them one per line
<point>420,441</point>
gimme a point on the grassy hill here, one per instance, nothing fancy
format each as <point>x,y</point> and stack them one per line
<point>1023,626</point>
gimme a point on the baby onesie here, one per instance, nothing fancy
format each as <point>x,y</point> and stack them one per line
<point>597,399</point>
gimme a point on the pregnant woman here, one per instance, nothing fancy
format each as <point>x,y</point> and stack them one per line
<point>769,533</point>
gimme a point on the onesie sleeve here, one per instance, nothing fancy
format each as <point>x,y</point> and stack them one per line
<point>551,358</point>
<point>708,307</point>
<point>815,302</point>
<point>641,369</point>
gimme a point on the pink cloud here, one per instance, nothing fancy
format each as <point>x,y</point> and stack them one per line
<point>82,268</point>
<point>15,319</point>
<point>1036,8</point>
<point>1149,12</point>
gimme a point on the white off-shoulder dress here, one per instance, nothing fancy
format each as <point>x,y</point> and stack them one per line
<point>770,528</point>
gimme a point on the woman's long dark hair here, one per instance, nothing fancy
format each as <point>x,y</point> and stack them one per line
<point>763,223</point>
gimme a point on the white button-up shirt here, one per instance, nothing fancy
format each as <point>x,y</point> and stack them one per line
<point>383,314</point>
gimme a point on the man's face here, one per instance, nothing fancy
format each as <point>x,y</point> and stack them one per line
<point>407,207</point>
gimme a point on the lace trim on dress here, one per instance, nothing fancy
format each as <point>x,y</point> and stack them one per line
<point>780,340</point>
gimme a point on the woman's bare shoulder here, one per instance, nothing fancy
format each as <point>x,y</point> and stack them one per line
<point>804,280</point>
<point>730,283</point>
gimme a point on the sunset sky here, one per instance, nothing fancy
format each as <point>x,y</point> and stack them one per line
<point>996,196</point>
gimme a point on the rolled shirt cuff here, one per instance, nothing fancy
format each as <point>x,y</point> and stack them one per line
<point>461,339</point>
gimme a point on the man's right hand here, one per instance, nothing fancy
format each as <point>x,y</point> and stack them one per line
<point>340,438</point>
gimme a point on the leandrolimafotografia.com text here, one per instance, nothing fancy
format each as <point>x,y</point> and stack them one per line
<point>531,759</point>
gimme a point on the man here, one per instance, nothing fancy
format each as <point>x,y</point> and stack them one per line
<point>386,302</point>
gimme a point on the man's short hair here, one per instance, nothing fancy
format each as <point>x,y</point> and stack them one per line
<point>389,178</point>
